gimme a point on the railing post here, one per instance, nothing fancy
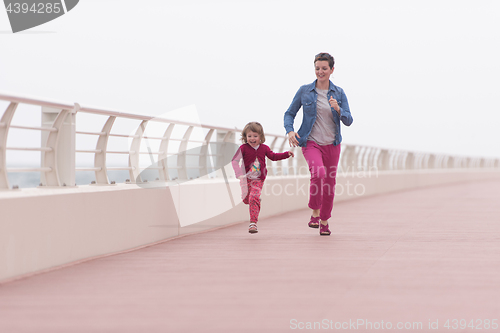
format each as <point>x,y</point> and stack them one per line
<point>101,176</point>
<point>430,161</point>
<point>163,157</point>
<point>451,162</point>
<point>360,153</point>
<point>61,159</point>
<point>354,156</point>
<point>134,156</point>
<point>346,158</point>
<point>438,162</point>
<point>181,155</point>
<point>410,161</point>
<point>372,159</point>
<point>419,159</point>
<point>400,159</point>
<point>4,131</point>
<point>383,160</point>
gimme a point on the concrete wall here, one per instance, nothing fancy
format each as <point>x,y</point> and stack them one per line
<point>46,228</point>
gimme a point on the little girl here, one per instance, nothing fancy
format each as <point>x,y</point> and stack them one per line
<point>253,151</point>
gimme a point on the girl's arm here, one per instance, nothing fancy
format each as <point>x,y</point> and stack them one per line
<point>239,170</point>
<point>277,156</point>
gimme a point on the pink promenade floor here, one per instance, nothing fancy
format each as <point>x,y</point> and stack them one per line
<point>409,260</point>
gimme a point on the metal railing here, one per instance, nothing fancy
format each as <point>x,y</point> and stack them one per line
<point>60,138</point>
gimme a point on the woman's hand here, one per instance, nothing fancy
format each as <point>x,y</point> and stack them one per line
<point>290,154</point>
<point>334,104</point>
<point>242,177</point>
<point>292,139</point>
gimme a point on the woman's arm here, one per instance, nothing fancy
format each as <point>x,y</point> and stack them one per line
<point>345,112</point>
<point>290,116</point>
<point>292,111</point>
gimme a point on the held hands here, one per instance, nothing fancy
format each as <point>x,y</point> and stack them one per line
<point>292,139</point>
<point>334,104</point>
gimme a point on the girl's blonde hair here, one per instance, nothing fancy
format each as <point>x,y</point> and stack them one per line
<point>253,127</point>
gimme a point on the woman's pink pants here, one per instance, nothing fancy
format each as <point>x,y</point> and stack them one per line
<point>322,161</point>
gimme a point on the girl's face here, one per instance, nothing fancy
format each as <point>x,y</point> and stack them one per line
<point>253,138</point>
<point>323,71</point>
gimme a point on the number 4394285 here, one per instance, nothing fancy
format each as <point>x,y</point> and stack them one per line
<point>473,324</point>
<point>36,8</point>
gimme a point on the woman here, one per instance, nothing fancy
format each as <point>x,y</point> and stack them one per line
<point>324,105</point>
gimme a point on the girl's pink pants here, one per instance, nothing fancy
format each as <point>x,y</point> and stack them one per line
<point>251,190</point>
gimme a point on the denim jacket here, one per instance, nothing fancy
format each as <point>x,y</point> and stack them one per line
<point>307,97</point>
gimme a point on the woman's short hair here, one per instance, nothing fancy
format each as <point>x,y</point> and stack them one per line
<point>253,127</point>
<point>326,57</point>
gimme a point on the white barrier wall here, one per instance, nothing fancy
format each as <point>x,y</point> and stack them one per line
<point>58,224</point>
<point>46,228</point>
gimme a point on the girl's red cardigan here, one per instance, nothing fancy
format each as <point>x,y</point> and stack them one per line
<point>248,153</point>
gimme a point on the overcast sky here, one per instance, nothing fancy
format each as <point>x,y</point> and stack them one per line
<point>419,75</point>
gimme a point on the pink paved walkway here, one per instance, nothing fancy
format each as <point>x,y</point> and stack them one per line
<point>421,256</point>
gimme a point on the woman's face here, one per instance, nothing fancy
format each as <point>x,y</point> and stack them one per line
<point>323,71</point>
<point>253,138</point>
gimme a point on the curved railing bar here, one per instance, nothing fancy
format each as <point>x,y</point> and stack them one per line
<point>101,175</point>
<point>181,154</point>
<point>147,118</point>
<point>356,157</point>
<point>35,101</point>
<point>133,158</point>
<point>162,158</point>
<point>4,131</point>
<point>345,156</point>
<point>410,161</point>
<point>372,158</point>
